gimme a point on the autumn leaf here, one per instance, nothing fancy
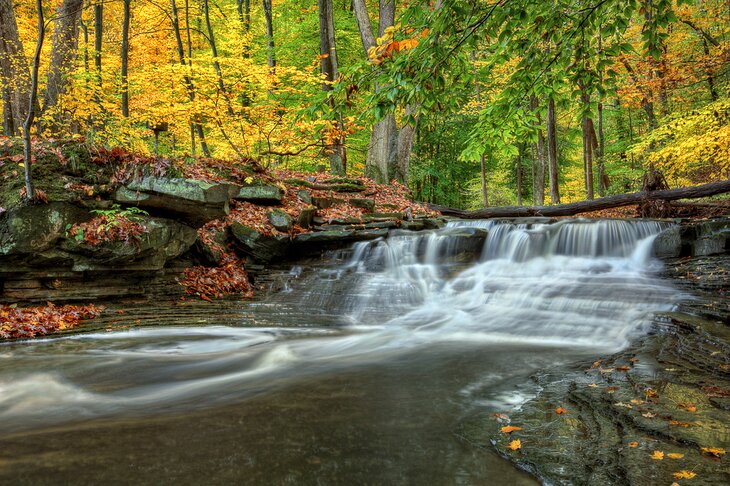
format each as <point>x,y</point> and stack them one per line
<point>657,455</point>
<point>677,423</point>
<point>622,368</point>
<point>593,385</point>
<point>515,445</point>
<point>509,429</point>
<point>684,474</point>
<point>560,410</point>
<point>675,455</point>
<point>648,414</point>
<point>500,416</point>
<point>633,444</point>
<point>713,451</point>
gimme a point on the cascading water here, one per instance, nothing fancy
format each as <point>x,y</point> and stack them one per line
<point>472,297</point>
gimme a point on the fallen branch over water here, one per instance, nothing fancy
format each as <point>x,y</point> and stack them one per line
<point>572,209</point>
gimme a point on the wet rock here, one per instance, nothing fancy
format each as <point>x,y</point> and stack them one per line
<point>432,223</point>
<point>37,228</point>
<point>280,220</point>
<point>212,254</point>
<point>260,194</point>
<point>339,235</point>
<point>343,221</point>
<point>192,200</point>
<point>382,216</point>
<point>668,244</point>
<point>259,246</point>
<point>416,225</point>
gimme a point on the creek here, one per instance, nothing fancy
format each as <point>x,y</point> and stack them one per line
<point>359,371</point>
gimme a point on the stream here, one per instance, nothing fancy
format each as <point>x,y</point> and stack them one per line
<point>359,371</point>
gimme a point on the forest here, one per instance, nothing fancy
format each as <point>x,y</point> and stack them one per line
<point>468,103</point>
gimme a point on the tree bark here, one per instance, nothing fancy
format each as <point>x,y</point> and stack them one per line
<point>64,46</point>
<point>608,202</point>
<point>197,123</point>
<point>329,68</point>
<point>271,55</point>
<point>98,37</point>
<point>33,102</point>
<point>538,182</point>
<point>13,71</point>
<point>125,58</point>
<point>216,63</point>
<point>552,144</point>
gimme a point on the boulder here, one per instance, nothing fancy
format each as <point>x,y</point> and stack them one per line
<point>306,216</point>
<point>366,204</point>
<point>163,240</point>
<point>212,253</point>
<point>192,200</point>
<point>280,220</point>
<point>305,196</point>
<point>37,228</point>
<point>327,202</point>
<point>260,194</point>
<point>258,245</point>
<point>668,243</point>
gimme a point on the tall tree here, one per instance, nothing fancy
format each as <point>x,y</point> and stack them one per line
<point>125,57</point>
<point>329,68</point>
<point>271,54</point>
<point>13,71</point>
<point>552,146</point>
<point>33,101</point>
<point>187,80</point>
<point>64,47</point>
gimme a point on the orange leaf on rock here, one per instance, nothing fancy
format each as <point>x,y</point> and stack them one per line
<point>515,445</point>
<point>560,410</point>
<point>510,428</point>
<point>684,474</point>
<point>675,455</point>
<point>633,444</point>
<point>657,455</point>
<point>713,451</point>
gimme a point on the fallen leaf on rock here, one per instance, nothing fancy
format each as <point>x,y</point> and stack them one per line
<point>677,423</point>
<point>510,428</point>
<point>690,407</point>
<point>684,474</point>
<point>675,455</point>
<point>611,389</point>
<point>651,393</point>
<point>657,455</point>
<point>713,451</point>
<point>622,404</point>
<point>560,410</point>
<point>515,445</point>
<point>636,401</point>
<point>500,416</point>
<point>633,445</point>
<point>593,385</point>
<point>648,415</point>
<point>596,364</point>
<point>623,368</point>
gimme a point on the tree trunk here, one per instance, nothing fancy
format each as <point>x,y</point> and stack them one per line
<point>13,72</point>
<point>552,145</point>
<point>197,123</point>
<point>329,67</point>
<point>518,175</point>
<point>539,165</point>
<point>125,58</point>
<point>216,63</point>
<point>64,46</point>
<point>98,33</point>
<point>588,142</point>
<point>609,202</point>
<point>190,63</point>
<point>33,102</point>
<point>270,35</point>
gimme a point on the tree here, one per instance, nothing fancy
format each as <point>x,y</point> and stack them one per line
<point>33,102</point>
<point>64,46</point>
<point>329,69</point>
<point>13,71</point>
<point>124,55</point>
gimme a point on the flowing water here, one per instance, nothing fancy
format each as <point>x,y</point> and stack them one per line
<point>358,372</point>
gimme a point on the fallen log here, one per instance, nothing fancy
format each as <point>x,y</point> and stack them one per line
<point>572,209</point>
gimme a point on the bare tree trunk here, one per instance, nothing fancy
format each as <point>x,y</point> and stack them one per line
<point>64,46</point>
<point>33,102</point>
<point>98,36</point>
<point>197,123</point>
<point>552,143</point>
<point>125,58</point>
<point>271,54</point>
<point>244,17</point>
<point>216,63</point>
<point>13,71</point>
<point>539,179</point>
<point>190,63</point>
<point>329,67</point>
